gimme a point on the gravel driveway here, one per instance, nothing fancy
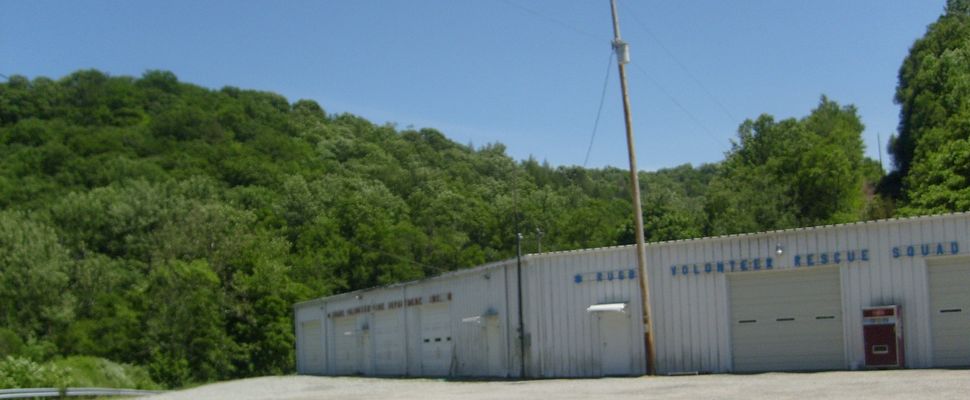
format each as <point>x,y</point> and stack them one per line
<point>901,384</point>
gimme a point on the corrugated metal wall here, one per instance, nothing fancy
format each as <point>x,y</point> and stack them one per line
<point>486,292</point>
<point>880,263</point>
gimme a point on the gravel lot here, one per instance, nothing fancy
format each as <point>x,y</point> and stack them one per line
<point>903,384</point>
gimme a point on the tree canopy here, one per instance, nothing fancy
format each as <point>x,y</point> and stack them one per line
<point>932,150</point>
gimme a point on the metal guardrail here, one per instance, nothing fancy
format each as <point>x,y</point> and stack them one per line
<point>72,392</point>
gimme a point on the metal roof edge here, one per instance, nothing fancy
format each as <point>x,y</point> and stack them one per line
<point>446,275</point>
<point>765,233</point>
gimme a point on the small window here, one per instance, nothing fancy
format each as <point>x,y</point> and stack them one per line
<point>786,319</point>
<point>427,340</point>
<point>437,339</point>
<point>449,338</point>
<point>747,321</point>
<point>825,317</point>
<point>951,310</point>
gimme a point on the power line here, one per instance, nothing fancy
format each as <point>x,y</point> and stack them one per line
<point>599,111</point>
<point>677,103</point>
<point>677,61</point>
<point>557,21</point>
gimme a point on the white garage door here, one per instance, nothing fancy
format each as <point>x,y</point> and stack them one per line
<point>787,320</point>
<point>311,347</point>
<point>950,308</point>
<point>347,350</point>
<point>436,341</point>
<point>388,343</point>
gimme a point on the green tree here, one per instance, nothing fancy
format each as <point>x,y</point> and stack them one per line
<point>185,325</point>
<point>33,277</point>
<point>932,149</point>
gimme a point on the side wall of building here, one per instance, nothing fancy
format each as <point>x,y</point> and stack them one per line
<point>691,281</point>
<point>453,325</point>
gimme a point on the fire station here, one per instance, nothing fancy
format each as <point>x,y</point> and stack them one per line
<point>878,294</point>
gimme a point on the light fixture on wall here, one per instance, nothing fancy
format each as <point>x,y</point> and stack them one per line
<point>358,297</point>
<point>779,249</point>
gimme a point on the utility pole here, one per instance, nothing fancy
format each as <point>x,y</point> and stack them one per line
<point>518,273</point>
<point>623,57</point>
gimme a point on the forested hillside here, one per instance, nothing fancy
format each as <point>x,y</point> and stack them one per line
<point>159,223</point>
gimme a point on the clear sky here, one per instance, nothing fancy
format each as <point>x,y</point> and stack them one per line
<point>526,73</point>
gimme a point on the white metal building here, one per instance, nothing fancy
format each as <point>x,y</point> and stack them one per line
<point>774,301</point>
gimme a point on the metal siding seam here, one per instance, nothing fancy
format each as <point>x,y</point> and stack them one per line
<point>913,350</point>
<point>923,287</point>
<point>852,298</point>
<point>601,294</point>
<point>693,310</point>
<point>899,287</point>
<point>697,313</point>
<point>573,317</point>
<point>548,348</point>
<point>660,316</point>
<point>848,296</point>
<point>669,311</point>
<point>881,263</point>
<point>680,322</point>
<point>913,332</point>
<point>558,319</point>
<point>508,332</point>
<point>724,320</point>
<point>638,357</point>
<point>535,304</point>
<point>710,314</point>
<point>589,295</point>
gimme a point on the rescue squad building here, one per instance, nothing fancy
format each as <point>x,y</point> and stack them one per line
<point>889,293</point>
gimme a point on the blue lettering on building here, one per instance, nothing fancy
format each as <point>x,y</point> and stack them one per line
<point>926,249</point>
<point>812,259</point>
<point>607,276</point>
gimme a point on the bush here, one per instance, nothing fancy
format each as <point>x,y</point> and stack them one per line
<point>17,372</point>
<point>84,371</point>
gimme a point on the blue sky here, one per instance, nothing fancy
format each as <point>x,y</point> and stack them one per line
<point>526,73</point>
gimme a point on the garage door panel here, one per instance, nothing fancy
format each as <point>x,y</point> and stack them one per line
<point>346,348</point>
<point>388,343</point>
<point>949,284</point>
<point>787,320</point>
<point>311,352</point>
<point>436,341</point>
